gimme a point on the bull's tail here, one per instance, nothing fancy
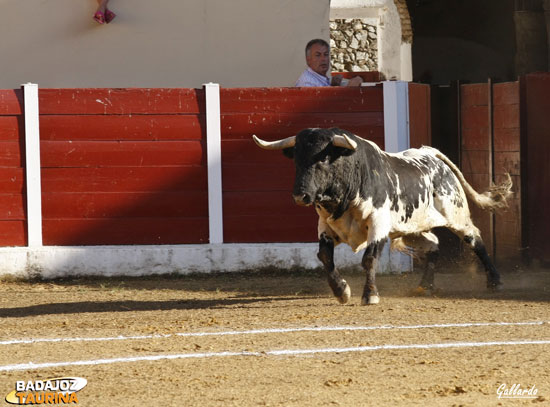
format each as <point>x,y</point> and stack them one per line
<point>494,198</point>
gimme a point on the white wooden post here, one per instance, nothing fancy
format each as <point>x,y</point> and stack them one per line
<point>396,116</point>
<point>214,160</point>
<point>32,170</point>
<point>396,139</point>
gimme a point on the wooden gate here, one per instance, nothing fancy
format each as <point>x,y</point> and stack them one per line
<point>536,163</point>
<point>478,127</point>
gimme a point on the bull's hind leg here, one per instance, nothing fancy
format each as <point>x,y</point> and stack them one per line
<point>477,245</point>
<point>326,254</point>
<point>426,285</point>
<point>370,291</point>
<point>425,248</point>
<point>429,246</point>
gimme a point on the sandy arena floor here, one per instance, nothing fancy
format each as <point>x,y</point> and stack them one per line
<point>276,339</point>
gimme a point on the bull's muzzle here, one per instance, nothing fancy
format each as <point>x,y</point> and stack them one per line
<point>302,199</point>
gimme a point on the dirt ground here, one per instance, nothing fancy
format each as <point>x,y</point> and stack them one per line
<point>159,308</point>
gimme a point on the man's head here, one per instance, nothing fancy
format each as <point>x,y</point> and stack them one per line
<point>318,56</point>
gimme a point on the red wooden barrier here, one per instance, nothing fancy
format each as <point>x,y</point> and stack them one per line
<point>257,184</point>
<point>12,175</point>
<point>123,166</point>
<point>127,166</point>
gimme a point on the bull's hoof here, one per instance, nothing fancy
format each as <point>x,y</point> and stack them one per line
<point>371,300</point>
<point>346,295</point>
<point>423,291</point>
<point>494,286</point>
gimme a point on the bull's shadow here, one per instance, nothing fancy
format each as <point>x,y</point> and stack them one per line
<point>252,289</point>
<point>285,289</point>
<point>61,308</point>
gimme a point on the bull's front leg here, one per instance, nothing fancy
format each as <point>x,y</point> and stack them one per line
<point>338,285</point>
<point>370,291</point>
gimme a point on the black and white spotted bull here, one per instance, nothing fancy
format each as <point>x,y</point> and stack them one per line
<point>364,196</point>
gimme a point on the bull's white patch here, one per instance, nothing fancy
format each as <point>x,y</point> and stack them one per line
<point>60,390</point>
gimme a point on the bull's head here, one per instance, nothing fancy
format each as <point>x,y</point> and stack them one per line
<point>320,171</point>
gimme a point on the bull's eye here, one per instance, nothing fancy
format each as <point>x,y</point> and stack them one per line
<point>322,158</point>
<point>323,163</point>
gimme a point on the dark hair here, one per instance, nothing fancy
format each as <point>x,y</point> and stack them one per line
<point>316,41</point>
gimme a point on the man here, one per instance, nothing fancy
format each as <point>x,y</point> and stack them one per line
<point>318,64</point>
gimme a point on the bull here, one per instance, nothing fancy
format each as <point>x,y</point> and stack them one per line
<point>365,197</point>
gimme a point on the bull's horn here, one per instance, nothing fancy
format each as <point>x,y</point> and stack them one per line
<point>345,142</point>
<point>275,145</point>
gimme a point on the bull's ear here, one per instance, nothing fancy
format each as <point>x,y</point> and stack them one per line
<point>289,152</point>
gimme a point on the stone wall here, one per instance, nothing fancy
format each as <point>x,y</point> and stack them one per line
<point>353,45</point>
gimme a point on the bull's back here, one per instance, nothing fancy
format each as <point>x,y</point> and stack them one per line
<point>429,193</point>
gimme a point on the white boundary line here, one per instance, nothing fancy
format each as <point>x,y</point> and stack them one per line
<point>284,352</point>
<point>272,330</point>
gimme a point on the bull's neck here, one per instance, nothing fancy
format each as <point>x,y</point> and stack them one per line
<point>337,207</point>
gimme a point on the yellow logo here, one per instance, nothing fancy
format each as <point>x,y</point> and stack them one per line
<point>61,390</point>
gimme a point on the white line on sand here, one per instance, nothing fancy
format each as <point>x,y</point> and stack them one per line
<point>283,352</point>
<point>271,331</point>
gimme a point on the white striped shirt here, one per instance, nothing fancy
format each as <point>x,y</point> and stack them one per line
<point>311,78</point>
